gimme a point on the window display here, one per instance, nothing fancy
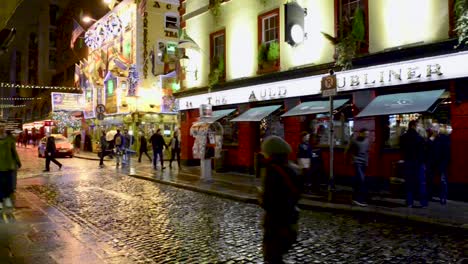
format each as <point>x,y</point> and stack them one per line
<point>342,131</point>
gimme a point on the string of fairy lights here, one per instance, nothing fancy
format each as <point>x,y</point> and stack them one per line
<point>19,98</point>
<point>27,86</point>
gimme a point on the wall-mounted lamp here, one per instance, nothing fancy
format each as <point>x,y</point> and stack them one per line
<point>184,64</point>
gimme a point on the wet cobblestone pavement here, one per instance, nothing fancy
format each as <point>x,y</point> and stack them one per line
<point>156,223</point>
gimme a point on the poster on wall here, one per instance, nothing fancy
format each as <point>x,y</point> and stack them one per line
<point>67,102</point>
<point>110,86</point>
<point>89,95</point>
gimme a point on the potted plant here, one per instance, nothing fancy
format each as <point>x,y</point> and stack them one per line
<point>351,36</point>
<point>215,8</point>
<point>217,71</point>
<point>268,56</point>
<point>461,24</point>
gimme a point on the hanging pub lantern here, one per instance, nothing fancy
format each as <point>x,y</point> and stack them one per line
<point>294,23</point>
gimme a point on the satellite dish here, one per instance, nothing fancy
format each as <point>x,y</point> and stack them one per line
<point>6,38</point>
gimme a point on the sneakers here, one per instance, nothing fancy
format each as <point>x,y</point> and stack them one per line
<point>7,202</point>
<point>362,204</point>
<point>45,170</point>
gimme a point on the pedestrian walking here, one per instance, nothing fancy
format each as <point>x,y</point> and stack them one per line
<point>105,149</point>
<point>443,141</point>
<point>304,158</point>
<point>9,164</point>
<point>143,147</point>
<point>157,142</point>
<point>128,142</point>
<point>281,189</point>
<point>119,143</point>
<point>50,154</point>
<point>359,150</point>
<point>175,149</point>
<point>412,147</point>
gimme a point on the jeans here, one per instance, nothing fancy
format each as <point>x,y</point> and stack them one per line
<point>360,190</point>
<point>6,184</point>
<point>415,182</point>
<point>157,152</point>
<point>102,155</point>
<point>443,185</point>
<point>175,154</point>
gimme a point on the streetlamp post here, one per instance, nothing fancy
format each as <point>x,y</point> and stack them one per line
<point>329,89</point>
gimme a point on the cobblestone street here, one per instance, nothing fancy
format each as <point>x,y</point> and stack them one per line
<point>157,223</point>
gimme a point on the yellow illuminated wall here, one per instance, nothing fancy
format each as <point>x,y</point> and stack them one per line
<point>394,23</point>
<point>239,19</point>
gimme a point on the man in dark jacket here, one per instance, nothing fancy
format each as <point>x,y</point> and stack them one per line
<point>143,147</point>
<point>412,147</point>
<point>279,198</point>
<point>157,141</point>
<point>50,154</point>
<point>443,141</point>
<point>359,149</point>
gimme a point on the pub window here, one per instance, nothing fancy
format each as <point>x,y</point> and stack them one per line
<point>346,12</point>
<point>172,22</point>
<point>270,27</point>
<point>218,54</point>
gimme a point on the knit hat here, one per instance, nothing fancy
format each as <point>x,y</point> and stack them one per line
<point>274,145</point>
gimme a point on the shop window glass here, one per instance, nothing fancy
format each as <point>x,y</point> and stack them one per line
<point>230,130</point>
<point>343,129</point>
<point>271,125</point>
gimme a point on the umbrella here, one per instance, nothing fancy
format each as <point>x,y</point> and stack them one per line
<point>110,135</point>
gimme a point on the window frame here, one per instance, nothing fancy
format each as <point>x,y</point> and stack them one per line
<point>166,15</point>
<point>365,3</point>
<point>214,35</point>
<point>260,37</point>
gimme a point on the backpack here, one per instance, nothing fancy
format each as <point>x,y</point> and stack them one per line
<point>118,141</point>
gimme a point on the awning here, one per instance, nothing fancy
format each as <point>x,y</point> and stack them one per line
<point>401,103</point>
<point>216,115</point>
<point>256,114</point>
<point>314,107</point>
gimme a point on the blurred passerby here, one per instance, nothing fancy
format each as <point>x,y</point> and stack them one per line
<point>444,144</point>
<point>128,142</point>
<point>412,147</point>
<point>304,158</point>
<point>175,149</point>
<point>77,142</point>
<point>281,191</point>
<point>105,150</point>
<point>143,147</point>
<point>119,143</point>
<point>157,142</point>
<point>9,163</point>
<point>50,154</point>
<point>359,149</point>
<point>432,160</point>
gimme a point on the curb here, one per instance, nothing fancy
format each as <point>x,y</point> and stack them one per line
<point>86,158</point>
<point>245,199</point>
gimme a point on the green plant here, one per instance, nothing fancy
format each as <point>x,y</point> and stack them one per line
<point>217,71</point>
<point>215,8</point>
<point>461,26</point>
<point>273,51</point>
<point>351,35</point>
<point>268,53</point>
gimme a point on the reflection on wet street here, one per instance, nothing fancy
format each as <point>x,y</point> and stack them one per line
<point>147,221</point>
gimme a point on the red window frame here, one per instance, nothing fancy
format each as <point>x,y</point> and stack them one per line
<point>260,19</point>
<point>365,6</point>
<point>212,46</point>
<point>452,19</point>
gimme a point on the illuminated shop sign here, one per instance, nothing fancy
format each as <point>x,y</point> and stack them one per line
<point>429,69</point>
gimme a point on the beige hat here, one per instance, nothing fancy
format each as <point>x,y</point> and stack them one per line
<point>274,145</point>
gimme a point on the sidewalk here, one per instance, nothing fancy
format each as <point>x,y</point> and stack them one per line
<point>244,188</point>
<point>37,233</point>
